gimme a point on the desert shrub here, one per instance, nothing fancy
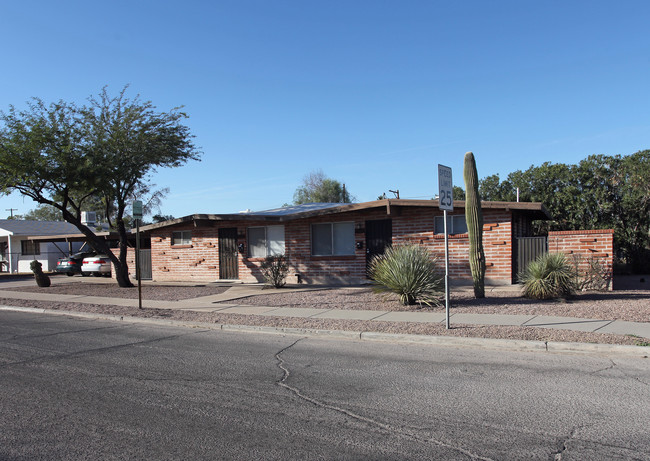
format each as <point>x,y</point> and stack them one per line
<point>410,272</point>
<point>275,269</point>
<point>549,276</point>
<point>596,276</point>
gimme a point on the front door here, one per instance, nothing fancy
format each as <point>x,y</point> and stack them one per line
<point>379,236</point>
<point>228,254</point>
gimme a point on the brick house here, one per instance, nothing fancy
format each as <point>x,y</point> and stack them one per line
<point>331,243</point>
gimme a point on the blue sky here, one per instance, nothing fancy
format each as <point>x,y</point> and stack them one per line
<point>374,93</point>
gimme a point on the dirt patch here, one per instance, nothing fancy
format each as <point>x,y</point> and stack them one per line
<point>112,290</point>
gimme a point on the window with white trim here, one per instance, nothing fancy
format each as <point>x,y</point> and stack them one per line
<point>332,239</point>
<point>456,224</point>
<point>265,241</point>
<point>182,238</point>
<point>30,248</point>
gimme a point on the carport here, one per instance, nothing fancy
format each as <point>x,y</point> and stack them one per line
<point>112,238</point>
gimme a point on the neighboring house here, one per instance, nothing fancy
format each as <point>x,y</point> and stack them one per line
<point>17,251</point>
<point>332,243</point>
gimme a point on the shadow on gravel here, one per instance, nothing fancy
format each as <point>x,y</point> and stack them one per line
<point>112,290</point>
<point>512,298</point>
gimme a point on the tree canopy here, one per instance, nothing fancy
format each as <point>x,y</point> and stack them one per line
<point>599,192</point>
<point>43,213</point>
<point>65,156</point>
<point>318,188</point>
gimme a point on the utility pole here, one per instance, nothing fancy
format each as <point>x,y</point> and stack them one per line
<point>11,210</point>
<point>396,192</point>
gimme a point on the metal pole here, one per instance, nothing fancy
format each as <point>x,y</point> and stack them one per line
<point>137,262</point>
<point>446,270</point>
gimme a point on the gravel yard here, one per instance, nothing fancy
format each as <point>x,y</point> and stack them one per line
<point>633,306</point>
<point>111,290</point>
<point>623,305</point>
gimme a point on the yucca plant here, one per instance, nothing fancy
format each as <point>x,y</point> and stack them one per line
<point>549,276</point>
<point>410,272</point>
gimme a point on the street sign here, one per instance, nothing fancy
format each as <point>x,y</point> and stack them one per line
<point>446,203</point>
<point>445,188</point>
<point>137,215</point>
<point>137,209</point>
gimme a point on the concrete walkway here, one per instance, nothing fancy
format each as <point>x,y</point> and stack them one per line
<point>226,303</point>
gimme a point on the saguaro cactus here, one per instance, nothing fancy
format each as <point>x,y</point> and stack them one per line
<point>474,218</point>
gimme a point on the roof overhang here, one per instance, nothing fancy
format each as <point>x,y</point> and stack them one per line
<point>73,237</point>
<point>534,210</point>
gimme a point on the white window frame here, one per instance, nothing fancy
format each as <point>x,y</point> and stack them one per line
<point>183,237</point>
<point>333,244</point>
<point>451,223</point>
<point>272,247</point>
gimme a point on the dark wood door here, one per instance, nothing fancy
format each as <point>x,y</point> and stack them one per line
<point>379,236</point>
<point>228,264</point>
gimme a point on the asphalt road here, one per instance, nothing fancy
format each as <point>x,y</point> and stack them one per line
<point>85,389</point>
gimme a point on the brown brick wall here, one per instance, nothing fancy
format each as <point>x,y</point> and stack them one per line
<point>200,260</point>
<point>585,245</point>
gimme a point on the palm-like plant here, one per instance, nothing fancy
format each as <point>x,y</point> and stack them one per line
<point>549,276</point>
<point>410,272</point>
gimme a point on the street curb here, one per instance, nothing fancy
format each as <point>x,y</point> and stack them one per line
<point>443,341</point>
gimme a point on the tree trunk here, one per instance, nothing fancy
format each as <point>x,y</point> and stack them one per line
<point>100,246</point>
<point>122,275</point>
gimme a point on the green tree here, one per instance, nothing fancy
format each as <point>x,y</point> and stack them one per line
<point>318,188</point>
<point>63,155</point>
<point>161,218</point>
<point>601,191</point>
<point>43,213</point>
<point>458,193</point>
<point>491,188</point>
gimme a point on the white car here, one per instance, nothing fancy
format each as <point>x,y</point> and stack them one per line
<point>97,265</point>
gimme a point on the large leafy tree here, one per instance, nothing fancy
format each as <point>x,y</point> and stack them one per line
<point>318,188</point>
<point>601,191</point>
<point>66,156</point>
<point>43,213</point>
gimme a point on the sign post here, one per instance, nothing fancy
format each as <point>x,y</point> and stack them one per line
<point>445,203</point>
<point>137,215</point>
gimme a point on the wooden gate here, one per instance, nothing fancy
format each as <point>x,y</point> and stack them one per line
<point>528,249</point>
<point>379,236</point>
<point>228,264</point>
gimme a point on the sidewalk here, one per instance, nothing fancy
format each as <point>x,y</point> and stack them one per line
<point>227,303</point>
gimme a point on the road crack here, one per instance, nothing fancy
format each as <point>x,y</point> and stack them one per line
<point>565,444</point>
<point>613,364</point>
<point>58,333</point>
<point>282,382</point>
<point>97,350</point>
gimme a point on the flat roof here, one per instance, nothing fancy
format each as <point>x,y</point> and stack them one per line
<point>535,210</point>
<point>76,237</point>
